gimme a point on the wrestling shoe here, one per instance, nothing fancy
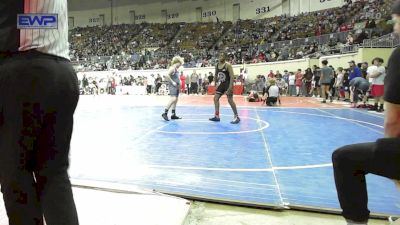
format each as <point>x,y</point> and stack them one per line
<point>175,117</point>
<point>215,119</point>
<point>165,117</point>
<point>236,120</point>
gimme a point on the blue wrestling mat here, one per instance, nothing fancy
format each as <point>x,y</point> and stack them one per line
<point>276,157</point>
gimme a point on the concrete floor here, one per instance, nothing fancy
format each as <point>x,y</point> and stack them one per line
<point>214,214</point>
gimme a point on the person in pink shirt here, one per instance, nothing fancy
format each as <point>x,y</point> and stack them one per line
<point>299,82</point>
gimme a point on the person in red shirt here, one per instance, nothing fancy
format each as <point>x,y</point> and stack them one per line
<point>318,31</point>
<point>271,74</point>
<point>344,28</point>
<point>299,82</point>
<point>183,82</point>
<point>113,86</point>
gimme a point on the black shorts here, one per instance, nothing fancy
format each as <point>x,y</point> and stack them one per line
<point>271,101</point>
<point>222,89</point>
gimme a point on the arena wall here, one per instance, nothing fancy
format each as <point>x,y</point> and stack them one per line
<point>363,55</point>
<point>193,11</point>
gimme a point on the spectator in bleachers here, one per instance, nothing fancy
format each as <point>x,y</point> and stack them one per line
<point>130,43</point>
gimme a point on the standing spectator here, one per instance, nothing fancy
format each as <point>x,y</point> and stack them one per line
<point>292,84</point>
<point>205,87</point>
<point>363,69</point>
<point>278,75</point>
<point>377,90</point>
<point>346,86</point>
<point>109,84</point>
<point>188,84</point>
<point>113,86</point>
<point>200,84</point>
<point>85,82</point>
<point>150,83</point>
<point>158,83</point>
<point>339,83</point>
<point>354,70</point>
<point>317,77</point>
<point>210,77</point>
<point>286,76</point>
<point>183,82</point>
<point>308,76</point>
<point>282,85</point>
<point>332,89</point>
<point>271,74</point>
<point>299,82</point>
<point>194,80</point>
<point>260,84</point>
<point>326,79</point>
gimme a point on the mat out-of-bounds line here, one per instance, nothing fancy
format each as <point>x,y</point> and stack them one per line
<point>354,121</point>
<point>241,169</point>
<point>327,116</point>
<point>264,126</point>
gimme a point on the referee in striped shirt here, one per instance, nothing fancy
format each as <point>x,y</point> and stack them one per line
<point>38,96</point>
